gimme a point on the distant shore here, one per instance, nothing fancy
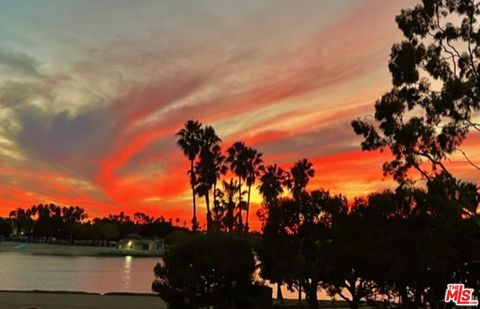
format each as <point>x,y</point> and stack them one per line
<point>53,249</point>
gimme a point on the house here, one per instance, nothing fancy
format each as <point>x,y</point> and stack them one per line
<point>135,245</point>
<point>142,244</point>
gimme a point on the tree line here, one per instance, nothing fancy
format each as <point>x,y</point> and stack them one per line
<point>52,223</point>
<point>396,246</point>
<point>227,178</point>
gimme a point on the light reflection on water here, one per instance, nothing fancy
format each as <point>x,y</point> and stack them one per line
<point>20,271</point>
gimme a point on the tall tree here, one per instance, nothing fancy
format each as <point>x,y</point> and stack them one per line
<point>228,211</point>
<point>206,168</point>
<point>189,141</point>
<point>296,235</point>
<point>352,258</point>
<point>221,169</point>
<point>23,221</point>
<point>237,156</point>
<point>44,226</point>
<point>254,165</point>
<point>272,181</point>
<point>430,109</point>
<point>72,216</point>
<point>301,172</point>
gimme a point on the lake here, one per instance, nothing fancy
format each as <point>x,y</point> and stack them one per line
<point>24,271</point>
<point>19,271</point>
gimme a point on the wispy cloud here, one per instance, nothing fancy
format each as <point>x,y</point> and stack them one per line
<point>88,115</point>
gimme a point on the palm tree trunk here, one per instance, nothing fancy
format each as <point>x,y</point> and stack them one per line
<point>248,208</point>
<point>279,294</point>
<point>209,214</point>
<point>215,193</point>
<point>215,225</point>
<point>240,189</point>
<point>194,219</point>
<point>312,299</point>
<point>240,202</point>
<point>299,305</point>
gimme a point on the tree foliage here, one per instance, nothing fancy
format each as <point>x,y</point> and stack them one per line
<point>431,107</point>
<point>48,222</point>
<point>206,270</point>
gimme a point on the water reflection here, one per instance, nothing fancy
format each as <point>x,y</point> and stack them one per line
<point>126,272</point>
<point>20,271</point>
<point>91,274</point>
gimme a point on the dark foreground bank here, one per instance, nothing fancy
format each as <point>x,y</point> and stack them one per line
<point>70,300</point>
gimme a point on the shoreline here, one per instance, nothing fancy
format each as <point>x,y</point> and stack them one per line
<point>67,299</point>
<point>73,299</point>
<point>66,250</point>
<point>35,291</point>
<point>52,249</point>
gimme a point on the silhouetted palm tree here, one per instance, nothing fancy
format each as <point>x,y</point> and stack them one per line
<point>71,216</point>
<point>229,209</point>
<point>254,165</point>
<point>220,167</point>
<point>206,168</point>
<point>204,182</point>
<point>189,141</point>
<point>237,159</point>
<point>301,172</point>
<point>272,180</point>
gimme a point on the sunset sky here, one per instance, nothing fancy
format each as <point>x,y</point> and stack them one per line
<point>92,93</point>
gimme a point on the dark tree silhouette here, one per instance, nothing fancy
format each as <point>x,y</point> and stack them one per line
<point>296,236</point>
<point>237,158</point>
<point>22,221</point>
<point>71,217</point>
<point>301,173</point>
<point>228,211</point>
<point>45,222</point>
<point>207,167</point>
<point>221,168</point>
<point>254,166</point>
<point>189,141</point>
<point>141,218</point>
<point>352,258</point>
<point>48,223</point>
<point>420,236</point>
<point>429,111</point>
<point>5,228</point>
<point>201,271</point>
<point>272,181</point>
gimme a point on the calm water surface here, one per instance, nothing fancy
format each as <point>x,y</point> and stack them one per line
<point>20,271</point>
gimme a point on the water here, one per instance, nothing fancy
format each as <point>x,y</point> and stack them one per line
<point>19,271</point>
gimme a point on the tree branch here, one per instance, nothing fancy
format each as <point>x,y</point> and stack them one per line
<point>432,160</point>
<point>474,125</point>
<point>343,296</point>
<point>468,159</point>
